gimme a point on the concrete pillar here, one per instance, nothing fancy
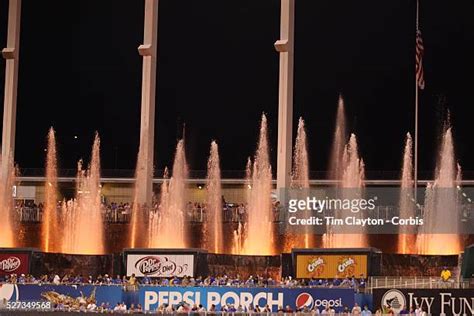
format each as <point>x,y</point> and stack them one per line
<point>147,128</point>
<point>285,46</point>
<point>11,53</point>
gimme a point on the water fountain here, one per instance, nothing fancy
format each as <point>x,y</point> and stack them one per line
<point>50,224</point>
<point>340,137</point>
<point>300,186</point>
<point>351,187</point>
<point>138,222</point>
<point>154,216</point>
<point>442,207</point>
<point>407,235</point>
<point>238,237</point>
<point>259,237</point>
<point>82,220</point>
<point>8,229</point>
<point>213,225</point>
<point>167,227</point>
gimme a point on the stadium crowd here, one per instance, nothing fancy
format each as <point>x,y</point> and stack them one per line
<point>114,212</point>
<point>132,283</point>
<point>224,280</point>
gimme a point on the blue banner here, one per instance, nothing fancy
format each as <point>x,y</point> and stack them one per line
<point>152,297</point>
<point>60,293</point>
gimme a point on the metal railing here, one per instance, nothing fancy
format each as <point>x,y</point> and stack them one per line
<point>414,283</point>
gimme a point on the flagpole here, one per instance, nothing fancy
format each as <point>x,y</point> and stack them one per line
<point>415,176</point>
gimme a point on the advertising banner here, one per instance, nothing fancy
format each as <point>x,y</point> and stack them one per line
<point>331,266</point>
<point>14,263</point>
<point>433,301</point>
<point>61,293</point>
<point>161,265</point>
<point>152,297</point>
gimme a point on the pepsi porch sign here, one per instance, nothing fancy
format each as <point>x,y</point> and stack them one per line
<point>152,297</point>
<point>160,265</point>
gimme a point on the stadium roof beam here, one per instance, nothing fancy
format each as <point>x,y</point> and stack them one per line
<point>12,54</point>
<point>148,50</point>
<point>285,47</point>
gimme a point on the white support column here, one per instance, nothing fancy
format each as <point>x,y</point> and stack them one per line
<point>11,53</point>
<point>285,46</point>
<point>147,128</point>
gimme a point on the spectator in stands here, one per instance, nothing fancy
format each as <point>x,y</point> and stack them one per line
<point>423,312</point>
<point>417,310</point>
<point>117,307</point>
<point>56,280</point>
<point>288,309</point>
<point>361,282</point>
<point>366,311</point>
<point>146,280</point>
<point>445,275</point>
<point>328,311</point>
<point>91,307</point>
<point>356,310</point>
<point>133,283</point>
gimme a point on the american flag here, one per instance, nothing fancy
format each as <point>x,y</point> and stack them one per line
<point>419,60</point>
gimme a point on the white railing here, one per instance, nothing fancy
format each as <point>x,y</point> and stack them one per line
<point>414,283</point>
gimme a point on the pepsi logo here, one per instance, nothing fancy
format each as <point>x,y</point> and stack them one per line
<point>8,292</point>
<point>304,300</point>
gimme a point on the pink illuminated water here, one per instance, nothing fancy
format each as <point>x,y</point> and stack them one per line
<point>339,141</point>
<point>8,227</point>
<point>300,181</point>
<point>407,237</point>
<point>238,237</point>
<point>352,184</point>
<point>259,228</point>
<point>167,228</point>
<point>50,221</point>
<point>138,222</point>
<point>213,237</point>
<point>82,220</point>
<point>442,207</point>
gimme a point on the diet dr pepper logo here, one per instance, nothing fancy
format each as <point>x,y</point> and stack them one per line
<point>10,264</point>
<point>160,266</point>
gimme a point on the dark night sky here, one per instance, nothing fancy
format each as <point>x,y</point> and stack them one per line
<point>217,71</point>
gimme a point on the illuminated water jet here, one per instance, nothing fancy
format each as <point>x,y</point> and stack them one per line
<point>8,226</point>
<point>50,222</point>
<point>407,237</point>
<point>213,226</point>
<point>442,207</point>
<point>300,186</point>
<point>82,220</point>
<point>259,229</point>
<point>167,227</point>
